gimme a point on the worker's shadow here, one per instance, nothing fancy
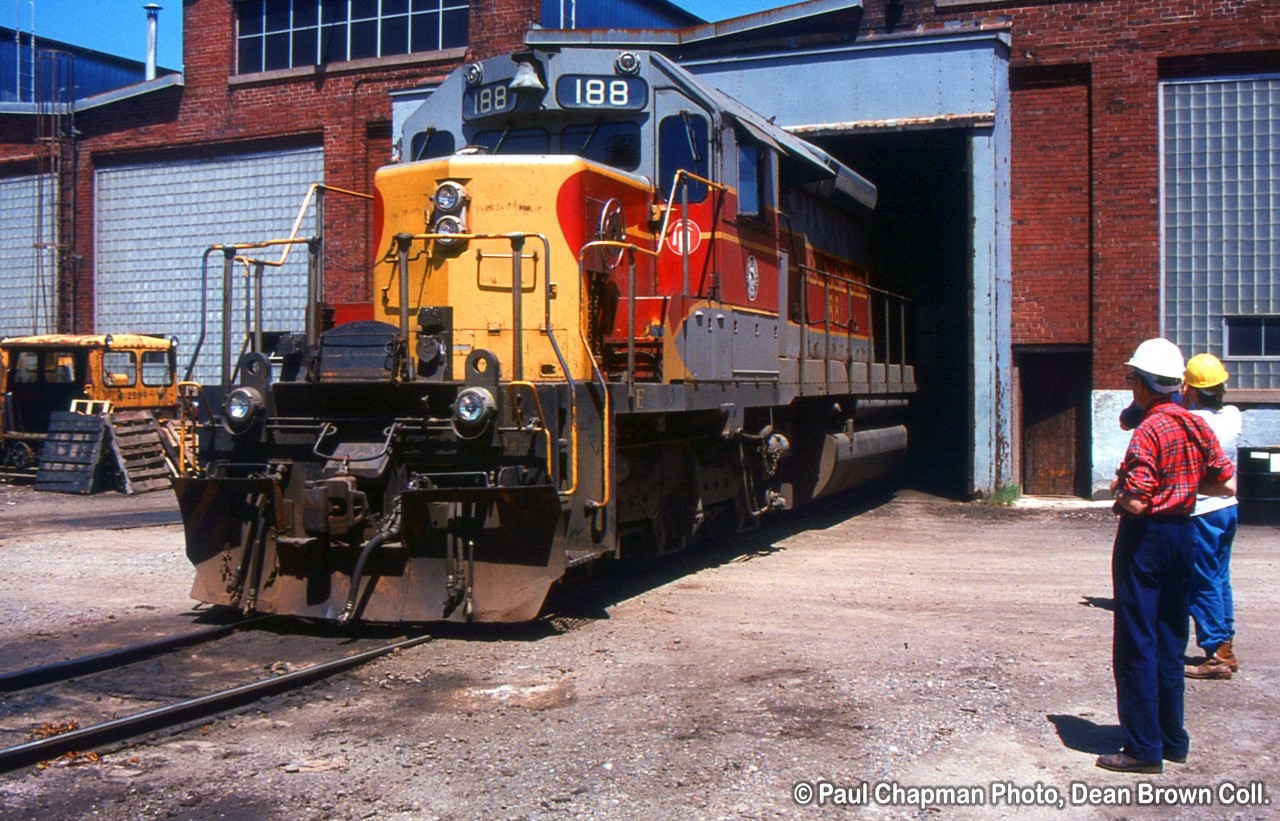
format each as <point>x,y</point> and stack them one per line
<point>1084,736</point>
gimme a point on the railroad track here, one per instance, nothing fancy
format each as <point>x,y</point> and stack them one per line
<point>58,742</point>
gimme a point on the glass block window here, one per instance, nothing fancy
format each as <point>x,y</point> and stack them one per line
<point>1220,202</point>
<point>275,34</point>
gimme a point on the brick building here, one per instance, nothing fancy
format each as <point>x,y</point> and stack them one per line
<point>1114,129</point>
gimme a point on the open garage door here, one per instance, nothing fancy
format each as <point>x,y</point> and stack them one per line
<point>922,240</point>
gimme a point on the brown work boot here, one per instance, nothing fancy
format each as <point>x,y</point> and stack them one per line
<point>1225,653</point>
<point>1217,665</point>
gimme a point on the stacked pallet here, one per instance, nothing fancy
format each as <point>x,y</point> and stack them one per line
<point>90,453</point>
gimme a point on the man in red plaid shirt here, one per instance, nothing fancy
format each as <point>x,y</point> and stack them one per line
<point>1172,454</point>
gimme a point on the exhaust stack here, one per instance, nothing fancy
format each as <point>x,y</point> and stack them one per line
<point>153,16</point>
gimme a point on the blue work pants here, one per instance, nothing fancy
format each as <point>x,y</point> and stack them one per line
<point>1150,574</point>
<point>1211,602</point>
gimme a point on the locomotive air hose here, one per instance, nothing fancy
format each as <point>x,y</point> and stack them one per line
<point>389,531</point>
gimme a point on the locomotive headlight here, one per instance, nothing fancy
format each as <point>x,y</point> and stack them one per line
<point>472,411</point>
<point>242,406</point>
<point>448,224</point>
<point>449,196</point>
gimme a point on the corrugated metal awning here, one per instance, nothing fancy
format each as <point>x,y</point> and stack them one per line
<point>823,173</point>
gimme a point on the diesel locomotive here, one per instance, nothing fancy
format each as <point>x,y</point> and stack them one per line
<point>612,309</point>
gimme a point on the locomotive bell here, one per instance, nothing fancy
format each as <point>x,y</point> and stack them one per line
<point>526,78</point>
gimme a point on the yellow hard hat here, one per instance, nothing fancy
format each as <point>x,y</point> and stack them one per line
<point>1204,370</point>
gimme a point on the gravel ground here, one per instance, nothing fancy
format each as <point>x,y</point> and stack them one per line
<point>911,646</point>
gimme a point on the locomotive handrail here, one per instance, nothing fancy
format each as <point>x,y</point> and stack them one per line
<point>826,279</point>
<point>187,417</point>
<point>315,276</point>
<point>517,239</point>
<point>329,428</point>
<point>676,180</point>
<point>864,285</point>
<point>631,344</point>
<point>537,401</point>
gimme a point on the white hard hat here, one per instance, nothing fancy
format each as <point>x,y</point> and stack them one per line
<point>1158,357</point>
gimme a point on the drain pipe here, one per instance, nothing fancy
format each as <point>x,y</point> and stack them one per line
<point>388,532</point>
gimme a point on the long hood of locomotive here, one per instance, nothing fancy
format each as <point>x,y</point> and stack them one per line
<point>559,198</point>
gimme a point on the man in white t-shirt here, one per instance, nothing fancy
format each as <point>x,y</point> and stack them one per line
<point>1210,601</point>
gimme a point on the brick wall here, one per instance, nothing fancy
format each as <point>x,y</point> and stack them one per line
<point>1050,178</point>
<point>1126,47</point>
<point>498,26</point>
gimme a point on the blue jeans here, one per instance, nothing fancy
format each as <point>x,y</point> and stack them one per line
<point>1211,602</point>
<point>1150,573</point>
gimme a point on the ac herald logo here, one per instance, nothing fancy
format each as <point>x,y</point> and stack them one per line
<point>685,237</point>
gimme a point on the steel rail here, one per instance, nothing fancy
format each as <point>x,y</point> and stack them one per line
<point>110,659</point>
<point>120,729</point>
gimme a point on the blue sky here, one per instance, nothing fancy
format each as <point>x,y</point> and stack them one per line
<point>112,26</point>
<point>714,10</point>
<point>120,26</point>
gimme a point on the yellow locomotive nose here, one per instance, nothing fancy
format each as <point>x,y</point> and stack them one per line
<point>465,210</point>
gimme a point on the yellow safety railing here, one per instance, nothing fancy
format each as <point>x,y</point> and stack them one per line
<point>190,400</point>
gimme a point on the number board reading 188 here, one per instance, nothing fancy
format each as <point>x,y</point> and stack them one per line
<point>486,100</point>
<point>587,91</point>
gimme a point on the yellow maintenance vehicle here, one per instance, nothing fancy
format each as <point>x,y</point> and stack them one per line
<point>78,411</point>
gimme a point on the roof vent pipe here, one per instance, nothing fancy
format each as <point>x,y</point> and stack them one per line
<point>153,15</point>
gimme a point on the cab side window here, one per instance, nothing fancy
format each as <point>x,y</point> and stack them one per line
<point>59,368</point>
<point>27,368</point>
<point>119,369</point>
<point>751,178</point>
<point>155,369</point>
<point>683,146</point>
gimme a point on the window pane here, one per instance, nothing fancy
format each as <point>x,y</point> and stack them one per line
<point>364,9</point>
<point>748,177</point>
<point>1244,336</point>
<point>251,17</point>
<point>305,13</point>
<point>277,15</point>
<point>155,368</point>
<point>682,144</point>
<point>514,141</point>
<point>60,368</point>
<point>394,7</point>
<point>1271,337</point>
<point>333,43</point>
<point>441,144</point>
<point>615,144</point>
<point>395,35</point>
<point>276,51</point>
<point>455,29</point>
<point>27,368</point>
<point>426,32</point>
<point>364,40</point>
<point>119,369</point>
<point>333,11</point>
<point>304,47</point>
<point>250,56</point>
